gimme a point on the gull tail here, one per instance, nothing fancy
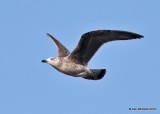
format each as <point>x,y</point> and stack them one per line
<point>96,74</point>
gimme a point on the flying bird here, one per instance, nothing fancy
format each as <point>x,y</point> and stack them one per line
<point>75,63</point>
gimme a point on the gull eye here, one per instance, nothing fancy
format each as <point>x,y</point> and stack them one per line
<point>52,58</point>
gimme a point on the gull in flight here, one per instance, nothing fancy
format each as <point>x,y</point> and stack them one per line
<point>75,63</point>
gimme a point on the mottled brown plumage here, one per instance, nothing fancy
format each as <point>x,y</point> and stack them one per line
<point>75,63</point>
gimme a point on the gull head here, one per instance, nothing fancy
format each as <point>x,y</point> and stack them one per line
<point>52,61</point>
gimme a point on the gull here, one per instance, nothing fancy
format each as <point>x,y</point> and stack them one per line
<point>75,63</point>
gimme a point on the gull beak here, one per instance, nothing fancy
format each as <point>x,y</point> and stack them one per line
<point>44,61</point>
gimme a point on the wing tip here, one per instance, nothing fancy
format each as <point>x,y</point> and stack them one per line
<point>131,35</point>
<point>140,36</point>
<point>49,35</point>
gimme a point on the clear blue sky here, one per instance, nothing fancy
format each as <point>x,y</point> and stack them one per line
<point>133,67</point>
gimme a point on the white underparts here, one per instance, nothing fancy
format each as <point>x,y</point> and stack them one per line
<point>82,74</point>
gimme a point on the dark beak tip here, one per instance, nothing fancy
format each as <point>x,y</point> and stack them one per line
<point>43,61</point>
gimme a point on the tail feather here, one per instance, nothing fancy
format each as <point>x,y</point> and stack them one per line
<point>96,74</point>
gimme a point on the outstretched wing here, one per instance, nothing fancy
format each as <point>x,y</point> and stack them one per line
<point>62,51</point>
<point>90,42</point>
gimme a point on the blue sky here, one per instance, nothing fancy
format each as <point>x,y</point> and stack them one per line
<point>133,67</point>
